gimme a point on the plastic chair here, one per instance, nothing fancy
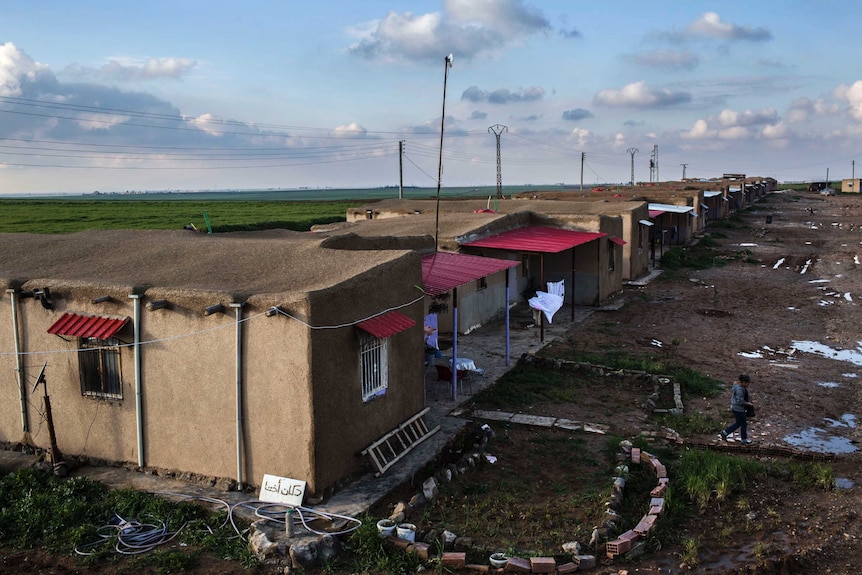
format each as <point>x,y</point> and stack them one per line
<point>444,373</point>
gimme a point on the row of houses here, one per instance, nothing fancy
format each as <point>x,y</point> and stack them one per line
<point>243,354</point>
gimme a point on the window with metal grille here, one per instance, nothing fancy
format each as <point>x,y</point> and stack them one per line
<point>612,256</point>
<point>99,364</point>
<point>374,366</point>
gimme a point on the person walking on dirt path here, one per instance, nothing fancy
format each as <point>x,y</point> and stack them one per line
<point>739,406</point>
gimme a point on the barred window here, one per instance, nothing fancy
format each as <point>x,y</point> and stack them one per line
<point>612,256</point>
<point>374,366</point>
<point>99,365</point>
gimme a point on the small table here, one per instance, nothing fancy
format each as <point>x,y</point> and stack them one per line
<point>464,364</point>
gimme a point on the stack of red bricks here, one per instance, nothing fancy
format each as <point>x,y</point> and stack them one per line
<point>624,542</point>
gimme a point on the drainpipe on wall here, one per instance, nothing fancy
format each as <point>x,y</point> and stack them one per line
<point>19,367</point>
<point>239,438</point>
<point>139,405</point>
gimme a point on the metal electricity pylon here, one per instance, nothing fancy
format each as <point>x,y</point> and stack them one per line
<point>497,130</point>
<point>633,151</point>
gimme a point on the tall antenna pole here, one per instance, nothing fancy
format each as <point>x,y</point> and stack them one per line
<point>655,155</point>
<point>497,130</point>
<point>683,170</point>
<point>447,65</point>
<point>582,170</point>
<point>633,151</point>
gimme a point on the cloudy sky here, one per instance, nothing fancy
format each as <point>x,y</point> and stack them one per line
<point>115,96</point>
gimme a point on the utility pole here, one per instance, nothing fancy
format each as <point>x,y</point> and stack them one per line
<point>653,165</point>
<point>633,151</point>
<point>400,169</point>
<point>683,170</point>
<point>582,170</point>
<point>497,130</point>
<point>854,169</point>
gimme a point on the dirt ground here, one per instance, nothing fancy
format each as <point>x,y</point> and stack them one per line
<point>789,316</point>
<point>791,321</point>
<point>785,311</point>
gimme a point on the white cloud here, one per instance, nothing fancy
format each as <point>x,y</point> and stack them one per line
<point>776,131</point>
<point>711,25</point>
<point>803,108</point>
<point>150,69</point>
<point>853,96</point>
<point>503,95</point>
<point>729,117</point>
<point>351,129</point>
<point>209,123</point>
<point>639,95</point>
<point>699,131</point>
<point>17,69</point>
<point>465,27</point>
<point>733,125</point>
<point>581,136</point>
<point>668,59</point>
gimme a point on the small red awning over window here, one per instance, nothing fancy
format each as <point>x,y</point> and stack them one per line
<point>386,324</point>
<point>618,241</point>
<point>87,326</point>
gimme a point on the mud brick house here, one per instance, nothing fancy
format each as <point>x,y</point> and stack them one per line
<point>229,355</point>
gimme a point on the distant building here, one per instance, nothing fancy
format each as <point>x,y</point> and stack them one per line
<point>851,185</point>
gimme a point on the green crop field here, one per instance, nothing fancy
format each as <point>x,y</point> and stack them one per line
<point>64,216</point>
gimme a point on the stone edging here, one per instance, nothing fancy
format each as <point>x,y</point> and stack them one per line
<point>629,543</point>
<point>604,371</point>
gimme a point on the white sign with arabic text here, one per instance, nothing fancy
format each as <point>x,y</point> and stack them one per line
<point>275,489</point>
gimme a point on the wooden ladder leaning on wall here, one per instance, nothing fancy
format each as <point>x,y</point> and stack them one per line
<point>396,444</point>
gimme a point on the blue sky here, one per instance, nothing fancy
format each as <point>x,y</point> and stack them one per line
<point>117,96</point>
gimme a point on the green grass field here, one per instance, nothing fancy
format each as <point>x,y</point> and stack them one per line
<point>65,216</point>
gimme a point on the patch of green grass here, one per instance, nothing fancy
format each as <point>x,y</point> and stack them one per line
<point>690,424</point>
<point>39,510</point>
<point>65,216</point>
<point>709,478</point>
<point>367,552</point>
<point>525,385</point>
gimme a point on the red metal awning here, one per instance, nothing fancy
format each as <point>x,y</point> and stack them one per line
<point>618,241</point>
<point>87,326</point>
<point>655,213</point>
<point>386,324</point>
<point>536,239</point>
<point>443,271</point>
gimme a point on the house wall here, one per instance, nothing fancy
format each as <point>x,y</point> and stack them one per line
<point>80,423</point>
<point>188,381</point>
<point>303,414</point>
<point>343,425</point>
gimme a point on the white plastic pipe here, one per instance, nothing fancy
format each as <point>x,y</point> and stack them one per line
<point>19,366</point>
<point>239,437</point>
<point>139,400</point>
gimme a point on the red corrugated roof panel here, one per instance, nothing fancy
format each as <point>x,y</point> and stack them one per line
<point>618,241</point>
<point>87,326</point>
<point>538,239</point>
<point>655,213</point>
<point>386,324</point>
<point>443,271</point>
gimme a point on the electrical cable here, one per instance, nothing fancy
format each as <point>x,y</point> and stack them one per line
<point>133,537</point>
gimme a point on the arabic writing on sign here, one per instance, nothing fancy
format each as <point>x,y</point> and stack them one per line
<point>275,489</point>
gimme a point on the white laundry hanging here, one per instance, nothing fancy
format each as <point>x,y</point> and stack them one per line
<point>550,301</point>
